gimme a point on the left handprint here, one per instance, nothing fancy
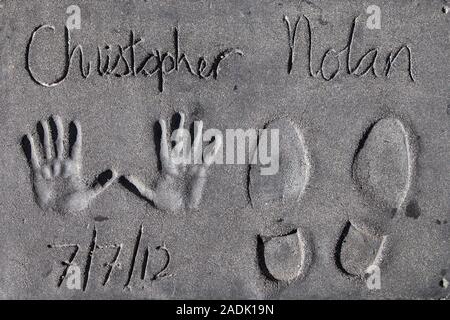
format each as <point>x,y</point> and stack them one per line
<point>57,178</point>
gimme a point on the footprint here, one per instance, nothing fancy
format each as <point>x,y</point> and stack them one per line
<point>285,257</point>
<point>382,169</point>
<point>359,249</point>
<point>382,166</point>
<point>293,171</point>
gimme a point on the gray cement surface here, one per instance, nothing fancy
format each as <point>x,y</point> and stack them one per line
<point>364,179</point>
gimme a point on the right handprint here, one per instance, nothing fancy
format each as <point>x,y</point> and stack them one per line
<point>183,177</point>
<point>382,170</point>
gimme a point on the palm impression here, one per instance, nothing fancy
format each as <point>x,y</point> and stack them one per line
<point>183,169</point>
<point>56,175</point>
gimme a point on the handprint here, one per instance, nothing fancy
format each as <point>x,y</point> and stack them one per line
<point>180,185</point>
<point>57,179</point>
